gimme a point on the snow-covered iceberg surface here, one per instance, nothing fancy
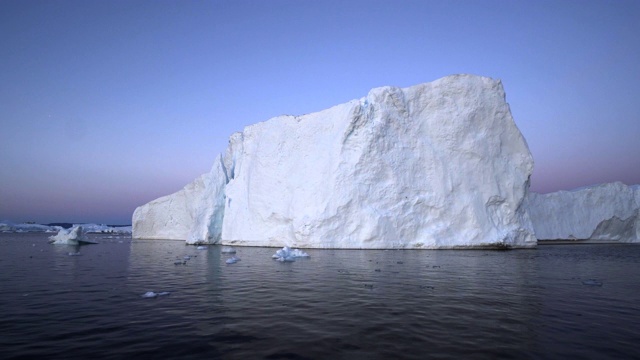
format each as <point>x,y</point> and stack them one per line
<point>72,236</point>
<point>436,165</point>
<point>606,212</point>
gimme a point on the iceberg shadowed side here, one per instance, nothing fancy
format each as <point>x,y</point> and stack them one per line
<point>604,212</point>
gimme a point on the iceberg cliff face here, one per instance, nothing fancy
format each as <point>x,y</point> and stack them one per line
<point>193,214</point>
<point>437,165</point>
<point>606,212</point>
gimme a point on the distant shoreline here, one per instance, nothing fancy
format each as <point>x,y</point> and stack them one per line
<point>70,225</point>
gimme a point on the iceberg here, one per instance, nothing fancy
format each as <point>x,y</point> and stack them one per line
<point>436,165</point>
<point>72,236</point>
<point>9,227</point>
<point>605,212</point>
<point>101,228</point>
<point>288,255</point>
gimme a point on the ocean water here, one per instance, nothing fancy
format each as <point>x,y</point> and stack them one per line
<point>555,302</point>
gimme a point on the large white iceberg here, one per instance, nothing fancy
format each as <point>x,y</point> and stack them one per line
<point>606,212</point>
<point>436,165</point>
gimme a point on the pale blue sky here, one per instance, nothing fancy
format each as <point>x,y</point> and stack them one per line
<point>106,105</point>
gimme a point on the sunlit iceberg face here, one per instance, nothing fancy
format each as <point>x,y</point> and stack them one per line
<point>436,165</point>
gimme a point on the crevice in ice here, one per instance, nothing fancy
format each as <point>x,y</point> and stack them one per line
<point>224,170</point>
<point>360,115</point>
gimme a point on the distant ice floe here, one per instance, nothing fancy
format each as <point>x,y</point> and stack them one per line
<point>73,236</point>
<point>289,255</point>
<point>10,227</point>
<point>228,250</point>
<point>151,294</point>
<point>101,228</point>
<point>232,260</point>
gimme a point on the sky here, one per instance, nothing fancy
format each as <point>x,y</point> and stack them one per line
<point>107,105</point>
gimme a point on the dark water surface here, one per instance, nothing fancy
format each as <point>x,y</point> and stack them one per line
<point>556,302</point>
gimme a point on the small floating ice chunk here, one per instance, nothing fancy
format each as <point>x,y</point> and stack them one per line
<point>151,294</point>
<point>232,260</point>
<point>201,248</point>
<point>287,254</point>
<point>74,253</point>
<point>228,250</point>
<point>74,236</point>
<point>187,257</point>
<point>592,282</point>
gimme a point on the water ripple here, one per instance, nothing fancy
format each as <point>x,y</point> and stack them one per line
<point>339,304</point>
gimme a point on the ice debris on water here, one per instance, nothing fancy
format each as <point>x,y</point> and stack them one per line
<point>151,294</point>
<point>201,248</point>
<point>232,260</point>
<point>592,282</point>
<point>287,254</point>
<point>228,250</point>
<point>74,253</point>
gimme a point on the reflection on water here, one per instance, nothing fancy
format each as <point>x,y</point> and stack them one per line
<point>336,304</point>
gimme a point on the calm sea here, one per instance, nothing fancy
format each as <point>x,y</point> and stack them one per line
<point>556,302</point>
